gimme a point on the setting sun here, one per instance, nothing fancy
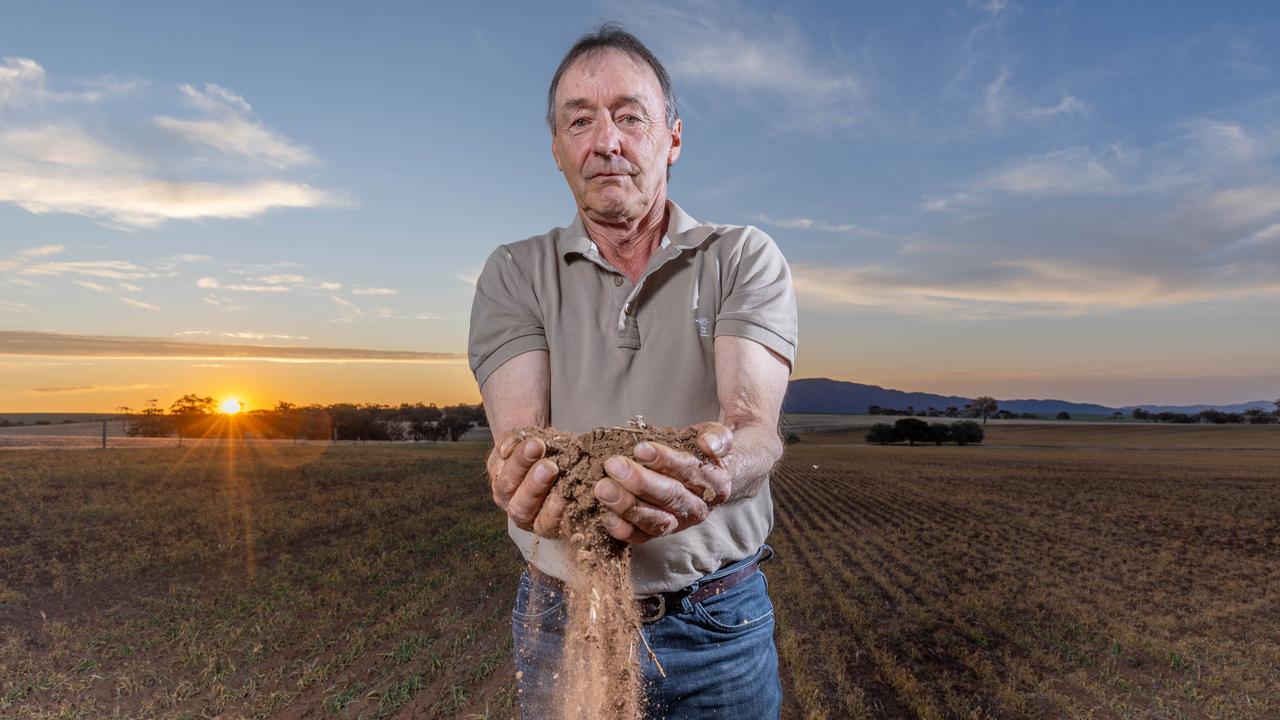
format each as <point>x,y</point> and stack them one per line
<point>231,406</point>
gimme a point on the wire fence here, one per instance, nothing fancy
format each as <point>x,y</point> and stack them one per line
<point>105,434</point>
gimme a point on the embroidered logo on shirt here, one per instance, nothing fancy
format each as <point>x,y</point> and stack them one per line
<point>703,330</point>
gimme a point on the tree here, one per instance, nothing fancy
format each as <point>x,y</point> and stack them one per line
<point>151,422</point>
<point>939,433</point>
<point>1258,416</point>
<point>983,407</point>
<point>455,425</point>
<point>966,431</point>
<point>188,408</point>
<point>952,411</point>
<point>1140,414</point>
<point>882,433</point>
<point>1064,415</point>
<point>911,429</point>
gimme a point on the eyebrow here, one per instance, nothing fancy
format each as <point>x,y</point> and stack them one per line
<point>578,103</point>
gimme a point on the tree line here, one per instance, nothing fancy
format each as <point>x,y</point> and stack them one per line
<point>913,430</point>
<point>195,416</point>
<point>987,407</point>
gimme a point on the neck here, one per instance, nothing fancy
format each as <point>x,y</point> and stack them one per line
<point>627,244</point>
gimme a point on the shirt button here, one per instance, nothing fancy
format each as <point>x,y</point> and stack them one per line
<point>617,281</point>
<point>627,308</point>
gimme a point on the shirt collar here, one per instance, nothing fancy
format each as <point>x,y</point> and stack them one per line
<point>683,232</point>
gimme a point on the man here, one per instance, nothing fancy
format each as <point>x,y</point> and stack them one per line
<point>638,309</point>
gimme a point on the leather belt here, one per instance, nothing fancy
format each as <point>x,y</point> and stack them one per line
<point>655,607</point>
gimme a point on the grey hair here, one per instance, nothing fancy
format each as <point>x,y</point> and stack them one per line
<point>611,36</point>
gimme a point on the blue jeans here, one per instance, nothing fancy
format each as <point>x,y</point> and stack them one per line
<point>719,656</point>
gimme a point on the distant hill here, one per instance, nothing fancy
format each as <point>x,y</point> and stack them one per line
<point>823,395</point>
<point>1267,405</point>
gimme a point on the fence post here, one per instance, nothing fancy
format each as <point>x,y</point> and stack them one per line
<point>104,434</point>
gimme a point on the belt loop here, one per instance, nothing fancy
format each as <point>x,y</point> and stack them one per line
<point>766,553</point>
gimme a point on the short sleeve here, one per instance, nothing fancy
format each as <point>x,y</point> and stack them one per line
<point>506,319</point>
<point>760,302</point>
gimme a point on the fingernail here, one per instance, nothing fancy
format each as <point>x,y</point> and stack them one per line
<point>531,450</point>
<point>607,491</point>
<point>610,520</point>
<point>645,452</point>
<point>542,472</point>
<point>714,443</point>
<point>617,467</point>
<point>506,446</point>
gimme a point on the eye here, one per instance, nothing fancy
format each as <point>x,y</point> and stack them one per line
<point>579,123</point>
<point>629,120</point>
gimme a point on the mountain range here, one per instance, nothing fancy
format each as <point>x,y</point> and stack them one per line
<point>823,395</point>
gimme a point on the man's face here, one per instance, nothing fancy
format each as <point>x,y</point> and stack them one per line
<point>611,139</point>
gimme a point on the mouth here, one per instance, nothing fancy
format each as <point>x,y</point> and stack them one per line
<point>609,176</point>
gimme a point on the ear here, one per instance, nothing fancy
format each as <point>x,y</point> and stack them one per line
<point>676,131</point>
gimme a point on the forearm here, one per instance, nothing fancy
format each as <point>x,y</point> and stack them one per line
<point>751,381</point>
<point>756,449</point>
<point>517,394</point>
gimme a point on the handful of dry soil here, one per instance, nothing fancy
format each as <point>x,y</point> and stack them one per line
<point>600,677</point>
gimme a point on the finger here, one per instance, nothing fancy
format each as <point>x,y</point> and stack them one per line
<point>528,497</point>
<point>651,520</point>
<point>672,463</point>
<point>715,439</point>
<point>653,489</point>
<point>547,523</point>
<point>623,530</point>
<point>515,469</point>
<point>506,443</point>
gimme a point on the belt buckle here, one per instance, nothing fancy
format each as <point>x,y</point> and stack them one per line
<point>658,615</point>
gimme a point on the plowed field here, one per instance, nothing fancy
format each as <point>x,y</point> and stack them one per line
<point>1011,583</point>
<point>1047,576</point>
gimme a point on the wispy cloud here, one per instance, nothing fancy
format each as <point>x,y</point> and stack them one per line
<point>261,336</point>
<point>232,129</point>
<point>1062,172</point>
<point>373,291</point>
<point>53,165</point>
<point>23,83</point>
<point>48,344</point>
<point>93,286</point>
<point>79,389</point>
<point>804,223</point>
<point>139,304</point>
<point>42,251</point>
<point>1011,289</point>
<point>761,59</point>
<point>110,269</point>
<point>277,283</point>
<point>1002,106</point>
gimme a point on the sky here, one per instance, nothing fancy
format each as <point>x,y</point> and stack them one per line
<point>291,201</point>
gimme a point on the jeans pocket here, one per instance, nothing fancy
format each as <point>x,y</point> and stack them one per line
<point>741,608</point>
<point>535,601</point>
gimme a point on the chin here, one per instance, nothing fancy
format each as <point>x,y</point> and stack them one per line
<point>611,205</point>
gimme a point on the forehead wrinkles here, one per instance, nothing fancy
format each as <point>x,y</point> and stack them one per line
<point>597,75</point>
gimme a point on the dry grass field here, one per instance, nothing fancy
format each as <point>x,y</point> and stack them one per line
<point>1070,571</point>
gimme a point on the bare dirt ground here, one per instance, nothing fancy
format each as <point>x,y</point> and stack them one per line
<point>1059,573</point>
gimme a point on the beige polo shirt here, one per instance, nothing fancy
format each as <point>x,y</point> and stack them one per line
<point>619,350</point>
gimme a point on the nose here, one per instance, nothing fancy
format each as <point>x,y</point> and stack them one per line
<point>607,138</point>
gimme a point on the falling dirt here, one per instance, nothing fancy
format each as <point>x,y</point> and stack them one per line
<point>600,677</point>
